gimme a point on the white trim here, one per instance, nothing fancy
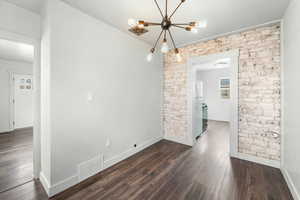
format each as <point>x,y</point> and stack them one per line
<point>284,171</point>
<point>45,183</point>
<point>230,33</point>
<point>290,183</point>
<point>282,93</point>
<point>11,99</point>
<point>58,187</point>
<point>95,161</point>
<point>36,92</point>
<point>126,154</point>
<point>178,140</point>
<point>262,161</point>
<point>234,56</point>
<point>162,104</point>
<point>75,179</point>
<point>63,185</point>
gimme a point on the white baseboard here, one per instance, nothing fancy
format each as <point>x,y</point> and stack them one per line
<point>262,161</point>
<point>290,183</point>
<point>73,180</point>
<point>178,140</point>
<point>126,154</point>
<point>45,183</point>
<point>58,187</point>
<point>6,131</point>
<point>63,185</point>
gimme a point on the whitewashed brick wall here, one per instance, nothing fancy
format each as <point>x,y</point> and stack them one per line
<point>259,88</point>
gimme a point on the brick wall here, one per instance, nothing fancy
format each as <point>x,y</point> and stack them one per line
<point>259,88</point>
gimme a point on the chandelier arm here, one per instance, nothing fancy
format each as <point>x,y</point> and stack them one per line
<point>182,1</point>
<point>153,24</point>
<point>177,26</point>
<point>172,39</point>
<point>145,23</point>
<point>159,9</point>
<point>158,39</point>
<point>182,24</point>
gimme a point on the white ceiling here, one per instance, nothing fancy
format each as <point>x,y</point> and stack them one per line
<point>16,51</point>
<point>32,5</point>
<point>223,16</point>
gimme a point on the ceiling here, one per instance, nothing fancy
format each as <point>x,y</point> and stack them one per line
<point>223,16</point>
<point>16,51</point>
<point>32,5</point>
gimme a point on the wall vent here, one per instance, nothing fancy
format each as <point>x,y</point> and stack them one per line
<point>90,168</point>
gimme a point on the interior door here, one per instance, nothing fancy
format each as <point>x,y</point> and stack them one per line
<point>23,101</point>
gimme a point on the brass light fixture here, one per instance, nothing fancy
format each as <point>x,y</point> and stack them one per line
<point>138,28</point>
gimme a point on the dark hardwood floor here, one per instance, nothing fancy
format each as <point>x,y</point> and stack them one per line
<point>16,158</point>
<point>170,171</point>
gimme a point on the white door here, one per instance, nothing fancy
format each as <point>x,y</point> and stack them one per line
<point>23,101</point>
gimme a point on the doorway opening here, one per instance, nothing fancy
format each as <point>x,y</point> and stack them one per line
<point>213,97</point>
<point>16,114</point>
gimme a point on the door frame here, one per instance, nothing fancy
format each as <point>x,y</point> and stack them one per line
<point>12,97</point>
<point>36,94</point>
<point>234,119</point>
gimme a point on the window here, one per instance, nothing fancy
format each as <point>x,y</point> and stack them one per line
<point>225,88</point>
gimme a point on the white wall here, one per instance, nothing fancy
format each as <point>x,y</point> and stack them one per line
<point>218,108</point>
<point>86,56</point>
<point>7,67</point>
<point>291,159</point>
<point>18,20</point>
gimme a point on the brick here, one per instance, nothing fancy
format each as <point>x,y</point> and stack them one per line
<point>259,88</point>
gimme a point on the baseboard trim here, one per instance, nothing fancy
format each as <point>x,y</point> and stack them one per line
<point>23,128</point>
<point>74,180</point>
<point>45,183</point>
<point>178,140</point>
<point>6,132</point>
<point>126,154</point>
<point>63,185</point>
<point>13,130</point>
<point>262,161</point>
<point>290,183</point>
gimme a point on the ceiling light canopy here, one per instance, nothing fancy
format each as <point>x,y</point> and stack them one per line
<point>138,27</point>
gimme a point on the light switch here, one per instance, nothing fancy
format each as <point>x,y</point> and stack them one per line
<point>90,96</point>
<point>107,143</point>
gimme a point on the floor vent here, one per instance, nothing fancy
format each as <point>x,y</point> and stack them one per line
<point>90,168</point>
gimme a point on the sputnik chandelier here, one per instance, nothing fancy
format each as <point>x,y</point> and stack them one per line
<point>138,28</point>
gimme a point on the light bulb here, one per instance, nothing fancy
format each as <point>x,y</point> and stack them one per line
<point>194,30</point>
<point>164,47</point>
<point>149,57</point>
<point>140,25</point>
<point>178,57</point>
<point>201,24</point>
<point>132,22</point>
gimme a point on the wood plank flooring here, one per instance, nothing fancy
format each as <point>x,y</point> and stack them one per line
<point>16,158</point>
<point>170,171</point>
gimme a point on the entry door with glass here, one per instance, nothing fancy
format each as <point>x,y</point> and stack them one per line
<point>23,101</point>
